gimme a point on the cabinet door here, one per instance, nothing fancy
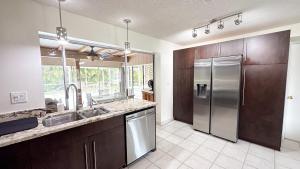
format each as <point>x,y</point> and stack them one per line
<point>183,58</point>
<point>268,49</point>
<point>261,113</point>
<point>183,74</point>
<point>183,96</point>
<point>59,151</point>
<point>108,149</point>
<point>207,51</point>
<point>230,48</point>
<point>15,156</point>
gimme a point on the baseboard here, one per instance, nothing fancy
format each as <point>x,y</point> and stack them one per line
<point>164,122</point>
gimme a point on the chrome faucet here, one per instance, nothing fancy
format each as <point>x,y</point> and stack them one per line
<point>90,100</point>
<point>78,106</point>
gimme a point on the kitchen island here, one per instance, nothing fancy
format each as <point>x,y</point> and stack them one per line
<point>90,143</point>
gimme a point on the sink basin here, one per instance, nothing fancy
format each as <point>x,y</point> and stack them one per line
<point>61,119</point>
<point>95,112</point>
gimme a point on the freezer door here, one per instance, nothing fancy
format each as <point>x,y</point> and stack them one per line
<point>226,76</point>
<point>202,92</point>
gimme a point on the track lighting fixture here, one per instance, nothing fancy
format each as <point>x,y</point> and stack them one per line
<point>194,33</point>
<point>238,20</point>
<point>207,31</point>
<point>220,22</point>
<point>221,25</point>
<point>61,32</point>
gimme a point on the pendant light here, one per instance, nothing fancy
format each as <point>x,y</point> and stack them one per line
<point>61,32</point>
<point>127,43</point>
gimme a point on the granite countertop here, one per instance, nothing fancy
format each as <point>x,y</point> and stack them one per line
<point>116,108</point>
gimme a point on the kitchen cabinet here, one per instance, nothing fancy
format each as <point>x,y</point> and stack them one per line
<point>230,48</point>
<point>271,48</point>
<point>59,151</point>
<point>93,146</point>
<point>183,58</point>
<point>262,104</point>
<point>183,75</point>
<point>15,156</point>
<point>108,149</point>
<point>207,51</point>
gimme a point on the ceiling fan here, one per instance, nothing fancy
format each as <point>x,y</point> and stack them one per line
<point>92,55</point>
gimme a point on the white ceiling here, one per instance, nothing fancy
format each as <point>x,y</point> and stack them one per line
<point>172,20</point>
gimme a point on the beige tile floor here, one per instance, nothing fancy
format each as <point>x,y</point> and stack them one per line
<point>179,146</point>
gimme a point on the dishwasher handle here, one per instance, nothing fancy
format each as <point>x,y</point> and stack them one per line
<point>129,118</point>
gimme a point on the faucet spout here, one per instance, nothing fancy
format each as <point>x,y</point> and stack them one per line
<point>68,96</point>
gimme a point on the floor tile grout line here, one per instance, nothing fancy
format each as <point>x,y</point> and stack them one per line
<point>214,162</point>
<point>246,155</point>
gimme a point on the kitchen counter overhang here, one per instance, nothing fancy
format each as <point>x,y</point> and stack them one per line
<point>116,108</point>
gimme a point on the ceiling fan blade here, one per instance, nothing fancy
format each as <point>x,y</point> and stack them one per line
<point>83,49</point>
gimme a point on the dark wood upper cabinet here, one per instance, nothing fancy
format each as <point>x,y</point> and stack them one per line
<point>207,51</point>
<point>230,48</point>
<point>15,156</point>
<point>267,49</point>
<point>261,112</point>
<point>183,58</point>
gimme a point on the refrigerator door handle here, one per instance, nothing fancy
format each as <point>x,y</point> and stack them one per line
<point>244,86</point>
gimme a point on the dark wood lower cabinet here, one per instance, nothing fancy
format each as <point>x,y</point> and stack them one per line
<point>15,156</point>
<point>108,149</point>
<point>101,143</point>
<point>58,151</point>
<point>261,112</point>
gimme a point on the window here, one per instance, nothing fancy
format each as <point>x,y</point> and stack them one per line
<point>148,75</point>
<point>53,82</point>
<point>101,82</point>
<point>138,77</point>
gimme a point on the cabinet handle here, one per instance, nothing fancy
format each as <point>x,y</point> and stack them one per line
<point>86,157</point>
<point>95,155</point>
<point>244,86</point>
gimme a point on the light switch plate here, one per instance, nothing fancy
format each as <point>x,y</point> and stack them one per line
<point>18,97</point>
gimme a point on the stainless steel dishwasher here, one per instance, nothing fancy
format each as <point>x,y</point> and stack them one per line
<point>140,134</point>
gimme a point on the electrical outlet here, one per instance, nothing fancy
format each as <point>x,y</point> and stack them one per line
<point>18,97</point>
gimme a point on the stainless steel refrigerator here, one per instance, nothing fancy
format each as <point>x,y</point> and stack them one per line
<point>216,96</point>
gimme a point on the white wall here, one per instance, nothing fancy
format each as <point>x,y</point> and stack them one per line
<point>22,19</point>
<point>20,63</point>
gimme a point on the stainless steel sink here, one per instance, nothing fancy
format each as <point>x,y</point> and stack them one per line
<point>95,112</point>
<point>61,119</point>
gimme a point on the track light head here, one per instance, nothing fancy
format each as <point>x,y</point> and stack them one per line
<point>207,31</point>
<point>194,33</point>
<point>238,20</point>
<point>221,25</point>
